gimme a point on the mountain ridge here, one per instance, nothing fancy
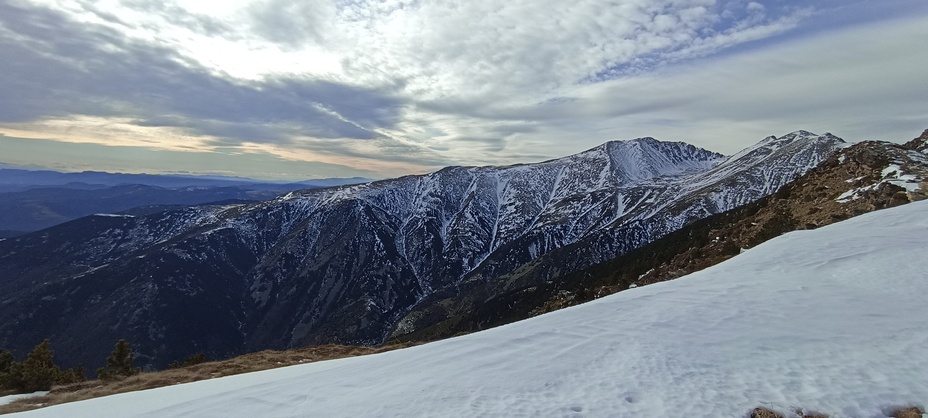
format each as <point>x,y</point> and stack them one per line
<point>35,200</point>
<point>347,264</point>
<point>857,179</point>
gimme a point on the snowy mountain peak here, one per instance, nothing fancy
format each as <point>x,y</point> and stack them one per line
<point>349,263</point>
<point>801,133</point>
<point>641,159</point>
<point>634,142</point>
<point>794,140</point>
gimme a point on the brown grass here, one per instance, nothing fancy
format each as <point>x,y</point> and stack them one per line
<point>262,360</point>
<point>912,412</point>
<point>764,413</point>
<point>761,412</point>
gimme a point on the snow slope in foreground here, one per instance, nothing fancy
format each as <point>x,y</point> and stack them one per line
<point>832,320</point>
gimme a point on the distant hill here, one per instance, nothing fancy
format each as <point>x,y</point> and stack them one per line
<point>17,180</point>
<point>34,200</point>
<point>40,208</point>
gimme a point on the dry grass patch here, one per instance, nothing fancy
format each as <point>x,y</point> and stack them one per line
<point>912,412</point>
<point>764,413</point>
<point>262,360</point>
<point>761,412</point>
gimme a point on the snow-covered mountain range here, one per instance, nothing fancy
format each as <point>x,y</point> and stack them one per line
<point>825,322</point>
<point>857,179</point>
<point>348,264</point>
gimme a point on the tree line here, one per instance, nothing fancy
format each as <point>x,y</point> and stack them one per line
<point>39,372</point>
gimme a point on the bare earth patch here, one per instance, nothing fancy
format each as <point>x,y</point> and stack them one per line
<point>252,362</point>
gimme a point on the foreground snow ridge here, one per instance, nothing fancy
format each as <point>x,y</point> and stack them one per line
<point>830,320</point>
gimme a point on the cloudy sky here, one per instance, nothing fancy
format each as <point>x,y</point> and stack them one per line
<point>295,89</point>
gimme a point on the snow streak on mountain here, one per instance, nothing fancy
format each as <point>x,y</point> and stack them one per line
<point>347,264</point>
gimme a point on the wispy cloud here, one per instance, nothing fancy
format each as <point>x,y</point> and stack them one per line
<point>95,70</point>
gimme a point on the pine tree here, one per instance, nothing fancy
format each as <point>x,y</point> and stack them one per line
<point>37,372</point>
<point>6,362</point>
<point>119,362</point>
<point>194,359</point>
<point>190,360</point>
<point>69,376</point>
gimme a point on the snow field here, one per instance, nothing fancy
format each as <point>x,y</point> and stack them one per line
<point>831,320</point>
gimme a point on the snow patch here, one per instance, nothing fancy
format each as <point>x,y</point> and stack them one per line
<point>10,398</point>
<point>892,174</point>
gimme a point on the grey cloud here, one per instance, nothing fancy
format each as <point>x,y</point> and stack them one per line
<point>54,66</point>
<point>482,108</point>
<point>380,149</point>
<point>859,83</point>
<point>514,128</point>
<point>292,23</point>
<point>178,16</point>
<point>564,110</point>
<point>482,144</point>
<point>862,83</point>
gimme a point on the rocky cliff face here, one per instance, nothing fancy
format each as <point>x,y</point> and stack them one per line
<point>349,264</point>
